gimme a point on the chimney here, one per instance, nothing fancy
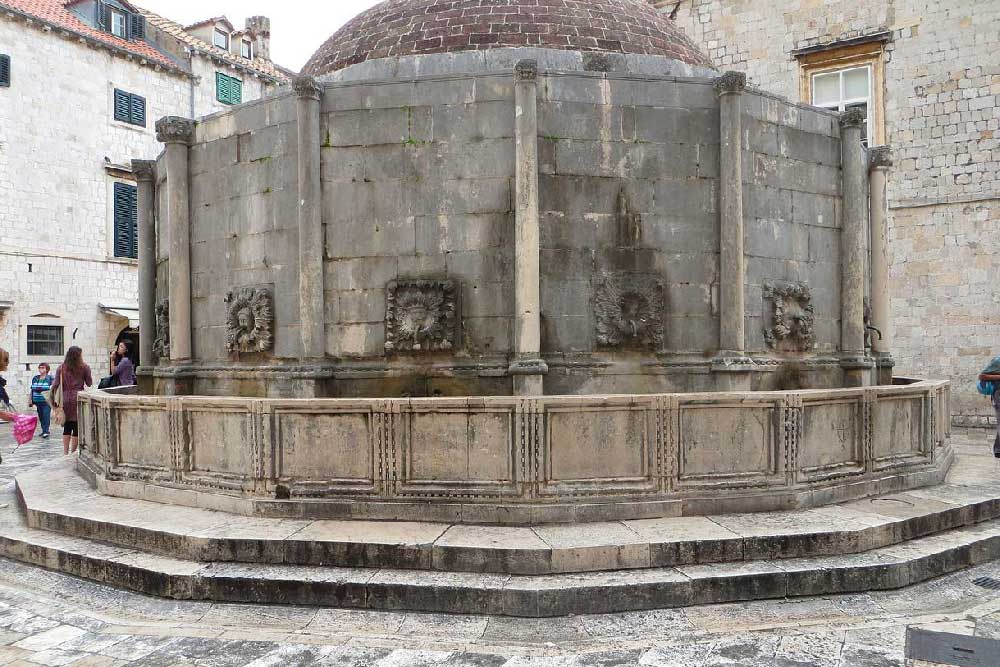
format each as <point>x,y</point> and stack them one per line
<point>259,28</point>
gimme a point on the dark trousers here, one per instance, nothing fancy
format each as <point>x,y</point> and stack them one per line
<point>996,441</point>
<point>44,416</point>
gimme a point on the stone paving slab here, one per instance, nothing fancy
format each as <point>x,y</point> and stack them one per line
<point>57,499</point>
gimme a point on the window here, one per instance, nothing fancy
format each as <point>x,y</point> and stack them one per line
<point>118,24</point>
<point>849,77</point>
<point>4,70</point>
<point>228,90</point>
<point>246,49</point>
<point>845,89</point>
<point>126,220</point>
<point>45,341</point>
<point>130,108</point>
<point>221,39</point>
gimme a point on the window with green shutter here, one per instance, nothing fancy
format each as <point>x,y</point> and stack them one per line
<point>130,108</point>
<point>126,220</point>
<point>4,70</point>
<point>228,89</point>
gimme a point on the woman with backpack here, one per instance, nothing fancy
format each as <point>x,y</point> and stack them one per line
<point>989,385</point>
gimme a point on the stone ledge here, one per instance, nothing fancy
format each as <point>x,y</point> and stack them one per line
<point>56,499</point>
<point>527,596</point>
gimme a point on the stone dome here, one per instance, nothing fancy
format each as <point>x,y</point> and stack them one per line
<point>412,27</point>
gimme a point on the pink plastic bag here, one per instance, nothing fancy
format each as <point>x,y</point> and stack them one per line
<point>24,428</point>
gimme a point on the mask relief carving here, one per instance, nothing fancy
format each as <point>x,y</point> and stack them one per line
<point>793,323</point>
<point>161,343</point>
<point>421,316</point>
<point>249,320</point>
<point>629,311</point>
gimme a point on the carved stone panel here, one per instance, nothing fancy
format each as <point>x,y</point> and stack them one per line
<point>161,342</point>
<point>792,318</point>
<point>421,316</point>
<point>249,320</point>
<point>629,311</point>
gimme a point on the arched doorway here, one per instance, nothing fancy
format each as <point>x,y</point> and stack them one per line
<point>131,336</point>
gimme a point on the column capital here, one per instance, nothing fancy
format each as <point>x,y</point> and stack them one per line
<point>144,170</point>
<point>880,157</point>
<point>174,130</point>
<point>730,83</point>
<point>306,86</point>
<point>526,70</point>
<point>852,118</point>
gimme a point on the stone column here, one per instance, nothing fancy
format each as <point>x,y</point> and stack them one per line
<point>311,241</point>
<point>145,175</point>
<point>852,251</point>
<point>176,133</point>
<point>880,160</point>
<point>732,359</point>
<point>528,368</point>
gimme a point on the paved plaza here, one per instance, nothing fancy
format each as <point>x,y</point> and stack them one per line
<point>52,619</point>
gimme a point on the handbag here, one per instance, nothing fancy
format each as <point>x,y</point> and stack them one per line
<point>55,398</point>
<point>108,382</point>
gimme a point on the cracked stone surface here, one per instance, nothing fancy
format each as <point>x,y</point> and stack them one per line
<point>49,619</point>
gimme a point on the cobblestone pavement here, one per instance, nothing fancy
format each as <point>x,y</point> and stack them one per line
<point>52,619</point>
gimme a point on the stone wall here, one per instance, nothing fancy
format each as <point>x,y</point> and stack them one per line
<point>418,214</point>
<point>942,74</point>
<point>518,460</point>
<point>61,151</point>
<point>417,184</point>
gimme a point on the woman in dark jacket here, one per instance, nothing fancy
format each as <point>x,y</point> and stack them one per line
<point>72,376</point>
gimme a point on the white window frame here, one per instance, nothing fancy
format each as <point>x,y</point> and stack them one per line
<point>843,103</point>
<point>246,49</point>
<point>48,318</point>
<point>216,34</point>
<point>115,16</point>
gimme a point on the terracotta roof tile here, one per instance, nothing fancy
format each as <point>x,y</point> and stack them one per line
<point>56,14</point>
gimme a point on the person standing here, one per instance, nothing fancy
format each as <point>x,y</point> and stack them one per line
<point>40,384</point>
<point>72,376</point>
<point>122,368</point>
<point>6,411</point>
<point>989,385</point>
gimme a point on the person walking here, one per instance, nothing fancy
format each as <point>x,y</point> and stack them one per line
<point>72,376</point>
<point>40,384</point>
<point>6,410</point>
<point>989,385</point>
<point>122,368</point>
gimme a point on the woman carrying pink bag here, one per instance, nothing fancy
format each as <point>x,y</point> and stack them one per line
<point>24,425</point>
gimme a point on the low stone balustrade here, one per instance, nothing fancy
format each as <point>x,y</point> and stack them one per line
<point>513,460</point>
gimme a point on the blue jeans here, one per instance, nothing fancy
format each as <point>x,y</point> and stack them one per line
<point>44,416</point>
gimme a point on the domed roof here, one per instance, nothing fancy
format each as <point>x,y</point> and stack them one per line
<point>409,27</point>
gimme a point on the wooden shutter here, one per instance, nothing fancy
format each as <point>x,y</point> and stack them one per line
<point>235,91</point>
<point>102,16</point>
<point>137,111</point>
<point>123,106</point>
<point>137,26</point>
<point>126,220</point>
<point>4,70</point>
<point>222,87</point>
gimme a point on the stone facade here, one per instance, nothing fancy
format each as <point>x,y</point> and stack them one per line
<point>61,151</point>
<point>423,182</point>
<point>941,82</point>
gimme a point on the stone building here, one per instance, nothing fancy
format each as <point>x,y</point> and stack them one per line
<point>566,205</point>
<point>927,75</point>
<point>81,84</point>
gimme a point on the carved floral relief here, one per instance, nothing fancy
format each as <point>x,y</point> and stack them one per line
<point>629,311</point>
<point>793,323</point>
<point>249,320</point>
<point>421,316</point>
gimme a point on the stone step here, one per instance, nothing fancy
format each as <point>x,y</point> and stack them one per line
<point>501,594</point>
<point>56,499</point>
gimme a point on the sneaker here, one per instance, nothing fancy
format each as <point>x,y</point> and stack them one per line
<point>45,436</point>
